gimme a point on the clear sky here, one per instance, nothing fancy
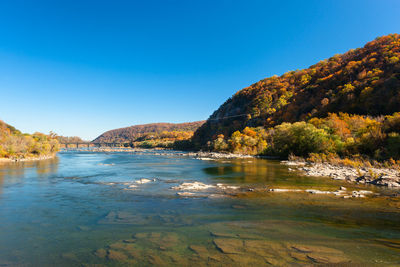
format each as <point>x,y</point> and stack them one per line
<point>84,67</point>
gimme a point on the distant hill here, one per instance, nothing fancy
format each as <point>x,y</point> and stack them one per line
<point>70,139</point>
<point>144,132</point>
<point>363,81</point>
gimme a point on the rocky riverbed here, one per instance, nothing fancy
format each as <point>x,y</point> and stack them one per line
<point>363,175</point>
<point>224,248</point>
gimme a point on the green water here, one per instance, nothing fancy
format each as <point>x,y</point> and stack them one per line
<point>79,210</point>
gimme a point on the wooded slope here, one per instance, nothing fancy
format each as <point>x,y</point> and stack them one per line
<point>133,133</point>
<point>364,81</point>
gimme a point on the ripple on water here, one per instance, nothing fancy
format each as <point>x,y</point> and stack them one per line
<point>222,214</point>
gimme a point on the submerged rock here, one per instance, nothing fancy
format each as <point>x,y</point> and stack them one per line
<point>165,239</point>
<point>155,260</point>
<point>129,240</point>
<point>101,253</point>
<point>324,258</point>
<point>219,234</point>
<point>68,256</point>
<point>239,207</point>
<point>116,255</point>
<point>229,245</point>
<point>122,217</point>
<point>392,243</point>
<point>317,254</point>
<point>201,251</point>
<point>248,260</point>
<point>83,228</point>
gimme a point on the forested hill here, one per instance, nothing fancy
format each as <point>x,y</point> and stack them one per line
<point>147,131</point>
<point>364,81</point>
<point>14,144</point>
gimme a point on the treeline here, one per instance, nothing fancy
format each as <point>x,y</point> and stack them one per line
<point>69,139</point>
<point>14,144</point>
<point>164,139</point>
<point>363,81</point>
<point>340,135</point>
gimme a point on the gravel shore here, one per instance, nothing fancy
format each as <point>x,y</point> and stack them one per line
<point>363,175</point>
<point>216,155</point>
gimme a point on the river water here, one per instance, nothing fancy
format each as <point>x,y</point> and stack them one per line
<point>90,209</point>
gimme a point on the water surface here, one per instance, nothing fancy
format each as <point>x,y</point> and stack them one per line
<point>80,209</point>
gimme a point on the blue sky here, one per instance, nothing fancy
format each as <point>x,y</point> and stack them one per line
<point>84,67</point>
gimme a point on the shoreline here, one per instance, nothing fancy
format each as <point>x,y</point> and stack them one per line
<point>7,160</point>
<point>363,175</point>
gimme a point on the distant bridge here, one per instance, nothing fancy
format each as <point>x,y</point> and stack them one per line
<point>92,144</point>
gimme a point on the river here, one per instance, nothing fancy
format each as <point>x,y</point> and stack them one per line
<point>93,209</point>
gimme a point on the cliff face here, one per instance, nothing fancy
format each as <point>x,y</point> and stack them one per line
<point>132,133</point>
<point>364,81</point>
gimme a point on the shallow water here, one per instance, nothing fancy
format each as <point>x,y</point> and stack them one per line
<point>82,209</point>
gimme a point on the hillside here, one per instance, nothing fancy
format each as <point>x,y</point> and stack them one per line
<point>14,144</point>
<point>364,81</point>
<point>69,139</point>
<point>145,132</point>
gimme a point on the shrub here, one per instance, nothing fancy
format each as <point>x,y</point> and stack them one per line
<point>300,138</point>
<point>250,141</point>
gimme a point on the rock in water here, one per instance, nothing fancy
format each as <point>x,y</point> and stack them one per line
<point>143,181</point>
<point>196,186</point>
<point>229,245</point>
<point>116,255</point>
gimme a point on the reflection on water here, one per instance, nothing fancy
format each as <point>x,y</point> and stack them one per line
<point>15,171</point>
<point>118,209</point>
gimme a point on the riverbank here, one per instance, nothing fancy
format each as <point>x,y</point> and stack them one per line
<point>388,177</point>
<point>5,160</point>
